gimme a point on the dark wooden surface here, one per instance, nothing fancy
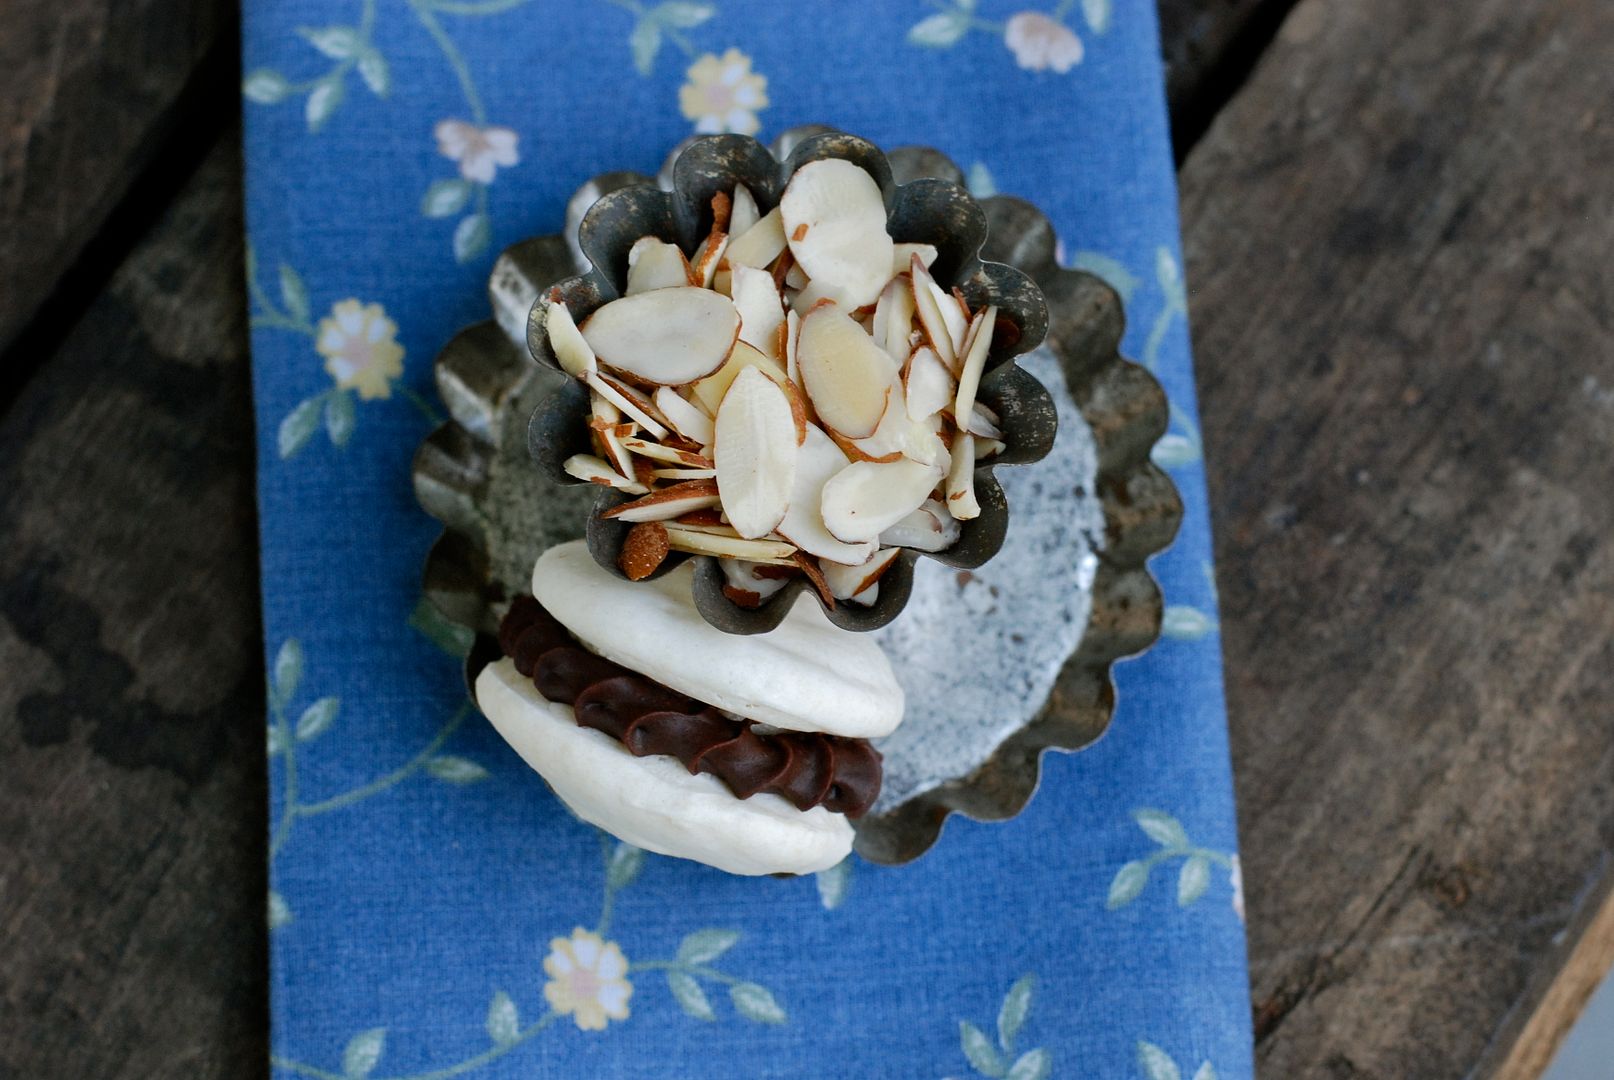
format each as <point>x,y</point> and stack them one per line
<point>1397,229</point>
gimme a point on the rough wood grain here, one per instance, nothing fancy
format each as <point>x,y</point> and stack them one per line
<point>90,93</point>
<point>132,877</point>
<point>1398,237</point>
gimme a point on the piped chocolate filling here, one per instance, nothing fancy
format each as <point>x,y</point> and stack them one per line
<point>806,769</point>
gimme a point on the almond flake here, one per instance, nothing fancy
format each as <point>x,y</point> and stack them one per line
<point>655,264</point>
<point>852,582</point>
<point>643,550</point>
<point>570,349</point>
<point>760,244</point>
<point>985,448</point>
<point>929,384</point>
<point>744,213</point>
<point>961,481</point>
<point>745,598</point>
<point>755,453</point>
<point>667,503</point>
<point>847,377</point>
<point>763,579</point>
<point>703,519</point>
<point>596,471</point>
<point>932,318</point>
<point>710,390</point>
<point>781,270</point>
<point>795,277</point>
<point>866,497</point>
<point>957,325</point>
<point>722,204</point>
<point>902,256</point>
<point>809,567</point>
<point>670,454</point>
<point>834,214</point>
<point>981,423</point>
<point>614,394</point>
<point>762,313</point>
<point>686,419</point>
<point>665,337</point>
<point>611,437</point>
<point>709,256</point>
<point>969,375</point>
<point>897,302</point>
<point>683,474</point>
<point>932,527</point>
<point>703,543</point>
<point>803,524</point>
<point>792,335</point>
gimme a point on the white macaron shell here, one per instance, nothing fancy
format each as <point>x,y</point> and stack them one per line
<point>805,675</point>
<point>654,802</point>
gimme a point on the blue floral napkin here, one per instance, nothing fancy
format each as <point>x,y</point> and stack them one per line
<point>434,911</point>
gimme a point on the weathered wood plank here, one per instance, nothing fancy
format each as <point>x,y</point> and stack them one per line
<point>89,92</point>
<point>132,813</point>
<point>1398,236</point>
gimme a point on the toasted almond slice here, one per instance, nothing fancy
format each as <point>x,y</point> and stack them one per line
<point>834,216</point>
<point>961,480</point>
<point>686,419</point>
<point>596,471</point>
<point>952,316</point>
<point>900,436</point>
<point>809,567</point>
<point>929,384</point>
<point>705,521</point>
<point>760,244</point>
<point>985,448</point>
<point>792,335</point>
<point>709,256</point>
<point>603,414</point>
<point>980,423</point>
<point>566,342</point>
<point>731,547</point>
<point>932,527</point>
<point>667,503</point>
<point>932,319</point>
<point>963,305</point>
<point>755,452</point>
<point>644,549</point>
<point>866,497</point>
<point>722,205</point>
<point>671,455</point>
<point>760,579</point>
<point>803,524</point>
<point>611,437</point>
<point>902,256</point>
<point>667,337</point>
<point>969,375</point>
<point>683,474</point>
<point>762,313</point>
<point>851,582</point>
<point>710,390</point>
<point>744,212</point>
<point>847,377</point>
<point>655,264</point>
<point>614,393</point>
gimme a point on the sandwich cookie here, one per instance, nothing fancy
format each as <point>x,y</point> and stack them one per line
<point>748,753</point>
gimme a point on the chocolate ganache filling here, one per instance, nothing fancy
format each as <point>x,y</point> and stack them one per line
<point>805,768</point>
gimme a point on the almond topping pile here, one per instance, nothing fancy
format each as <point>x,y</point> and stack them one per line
<point>796,397</point>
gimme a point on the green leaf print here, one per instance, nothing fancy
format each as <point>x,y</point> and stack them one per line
<point>1194,876</point>
<point>834,883</point>
<point>1161,827</point>
<point>299,426</point>
<point>626,862</point>
<point>939,31</point>
<point>1122,280</point>
<point>279,911</point>
<point>1097,13</point>
<point>689,995</point>
<point>755,1003</point>
<point>266,86</point>
<point>1174,451</point>
<point>704,946</point>
<point>504,1021</point>
<point>683,16</point>
<point>363,1053</point>
<point>374,71</point>
<point>1206,1072</point>
<point>288,670</point>
<point>1156,1063</point>
<point>644,42</point>
<point>1127,885</point>
<point>339,417</point>
<point>317,718</point>
<point>452,638</point>
<point>471,237</point>
<point>445,198</point>
<point>336,42</point>
<point>1032,1065</point>
<point>455,770</point>
<point>293,293</point>
<point>1016,1006</point>
<point>322,102</point>
<point>983,1056</point>
<point>1182,623</point>
<point>1193,880</point>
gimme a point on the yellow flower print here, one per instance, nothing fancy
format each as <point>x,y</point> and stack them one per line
<point>587,980</point>
<point>360,347</point>
<point>724,94</point>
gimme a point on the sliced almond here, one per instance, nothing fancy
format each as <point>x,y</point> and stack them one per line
<point>722,205</point>
<point>834,214</point>
<point>760,244</point>
<point>985,448</point>
<point>596,471</point>
<point>928,383</point>
<point>897,302</point>
<point>614,393</point>
<point>899,436</point>
<point>932,527</point>
<point>709,256</point>
<point>763,579</point>
<point>729,547</point>
<point>932,319</point>
<point>683,474</point>
<point>710,390</point>
<point>781,270</point>
<point>755,450</point>
<point>655,264</point>
<point>847,376</point>
<point>611,437</point>
<point>566,342</point>
<point>803,524</point>
<point>667,503</point>
<point>669,454</point>
<point>762,313</point>
<point>745,598</point>
<point>706,521</point>
<point>851,582</point>
<point>666,337</point>
<point>795,277</point>
<point>902,256</point>
<point>644,549</point>
<point>952,316</point>
<point>723,282</point>
<point>980,422</point>
<point>865,498</point>
<point>686,419</point>
<point>792,335</point>
<point>969,374</point>
<point>744,212</point>
<point>809,568</point>
<point>961,499</point>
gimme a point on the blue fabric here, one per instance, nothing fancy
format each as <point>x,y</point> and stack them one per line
<point>432,903</point>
